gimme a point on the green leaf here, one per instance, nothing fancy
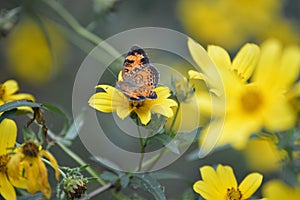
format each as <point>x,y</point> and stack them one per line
<point>149,184</point>
<point>73,130</point>
<point>166,175</point>
<point>56,109</point>
<point>194,155</point>
<point>168,142</point>
<point>108,163</point>
<point>8,114</point>
<point>15,104</point>
<point>124,181</point>
<point>109,176</point>
<point>156,125</point>
<point>189,194</point>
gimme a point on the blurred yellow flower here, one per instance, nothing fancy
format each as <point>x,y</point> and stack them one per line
<point>230,23</point>
<point>194,108</point>
<point>33,53</point>
<point>221,184</point>
<point>27,170</point>
<point>8,136</point>
<point>262,154</point>
<point>277,190</point>
<point>259,102</point>
<point>112,100</point>
<point>8,92</point>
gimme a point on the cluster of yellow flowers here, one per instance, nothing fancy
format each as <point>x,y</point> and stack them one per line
<point>230,23</point>
<point>256,89</point>
<point>21,166</point>
<point>259,85</point>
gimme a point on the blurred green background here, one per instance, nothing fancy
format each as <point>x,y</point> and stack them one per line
<point>25,57</point>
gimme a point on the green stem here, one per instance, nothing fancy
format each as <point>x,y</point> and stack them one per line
<point>63,13</point>
<point>156,160</point>
<point>80,162</point>
<point>174,120</point>
<point>142,144</point>
<point>49,163</point>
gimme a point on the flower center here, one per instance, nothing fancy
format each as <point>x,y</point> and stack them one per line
<point>251,100</point>
<point>30,149</point>
<point>135,105</point>
<point>2,91</point>
<point>3,161</point>
<point>233,194</point>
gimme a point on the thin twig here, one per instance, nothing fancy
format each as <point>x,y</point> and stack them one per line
<point>98,191</point>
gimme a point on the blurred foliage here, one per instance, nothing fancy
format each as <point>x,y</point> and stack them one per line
<point>42,44</point>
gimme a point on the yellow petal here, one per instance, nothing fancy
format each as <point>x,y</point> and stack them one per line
<point>268,62</point>
<point>220,56</point>
<point>245,61</point>
<point>20,96</point>
<point>280,116</point>
<point>226,176</point>
<point>8,135</point>
<point>163,110</point>
<point>11,87</point>
<point>206,191</point>
<point>6,189</point>
<point>209,138</point>
<point>102,102</point>
<point>53,162</point>
<point>14,170</point>
<point>205,65</point>
<point>162,92</point>
<point>144,114</point>
<point>123,111</point>
<point>262,154</point>
<point>109,101</point>
<point>289,66</point>
<point>224,77</point>
<point>210,177</point>
<point>196,75</point>
<point>37,177</point>
<point>277,190</point>
<point>250,184</point>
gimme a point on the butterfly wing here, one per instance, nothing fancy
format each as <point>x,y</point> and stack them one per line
<point>134,61</point>
<point>139,76</point>
<point>140,86</point>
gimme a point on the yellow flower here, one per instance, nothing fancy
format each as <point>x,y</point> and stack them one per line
<point>230,23</point>
<point>112,100</point>
<point>8,92</point>
<point>259,102</point>
<point>8,135</point>
<point>221,184</point>
<point>263,155</point>
<point>27,170</point>
<point>33,53</point>
<point>277,190</point>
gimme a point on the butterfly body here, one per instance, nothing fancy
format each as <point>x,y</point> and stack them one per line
<point>139,77</point>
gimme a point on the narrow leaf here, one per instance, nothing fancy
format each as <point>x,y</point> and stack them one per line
<point>149,184</point>
<point>168,142</point>
<point>15,104</point>
<point>109,176</point>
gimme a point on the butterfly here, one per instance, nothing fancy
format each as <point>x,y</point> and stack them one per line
<point>139,77</point>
